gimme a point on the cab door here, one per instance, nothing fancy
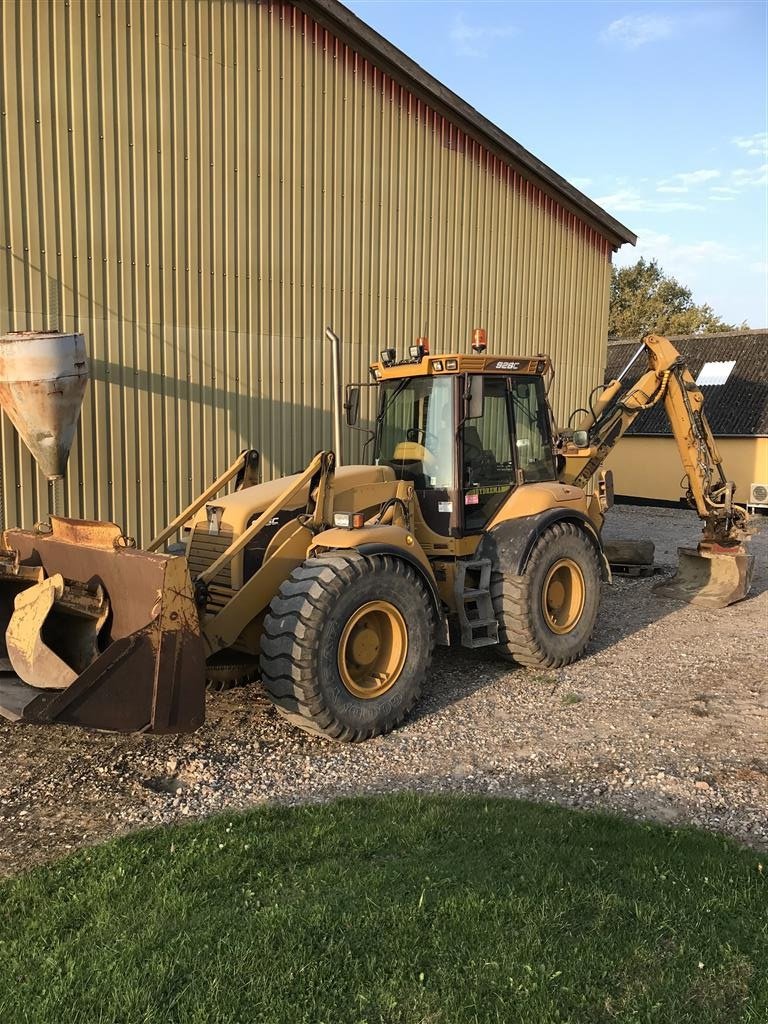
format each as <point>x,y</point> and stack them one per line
<point>488,467</point>
<point>508,445</point>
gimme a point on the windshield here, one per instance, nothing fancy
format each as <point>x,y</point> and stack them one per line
<point>416,431</point>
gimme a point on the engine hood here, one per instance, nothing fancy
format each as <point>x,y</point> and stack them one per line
<point>224,518</point>
<point>238,509</point>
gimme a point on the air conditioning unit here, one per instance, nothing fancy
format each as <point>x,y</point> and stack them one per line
<point>758,496</point>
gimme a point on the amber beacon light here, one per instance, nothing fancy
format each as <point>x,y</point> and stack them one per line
<point>479,340</point>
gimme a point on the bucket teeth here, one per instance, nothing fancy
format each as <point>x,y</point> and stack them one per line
<point>709,578</point>
<point>12,570</point>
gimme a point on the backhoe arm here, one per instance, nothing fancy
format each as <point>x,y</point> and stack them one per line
<point>667,379</point>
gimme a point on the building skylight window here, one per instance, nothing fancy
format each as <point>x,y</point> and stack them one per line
<point>715,373</point>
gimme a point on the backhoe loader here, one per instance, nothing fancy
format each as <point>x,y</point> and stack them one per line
<point>474,524</point>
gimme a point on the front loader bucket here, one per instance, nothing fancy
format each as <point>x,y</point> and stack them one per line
<point>105,636</point>
<point>711,579</point>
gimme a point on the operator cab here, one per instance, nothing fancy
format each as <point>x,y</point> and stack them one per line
<point>464,439</point>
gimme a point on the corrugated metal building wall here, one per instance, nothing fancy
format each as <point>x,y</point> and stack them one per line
<point>200,187</point>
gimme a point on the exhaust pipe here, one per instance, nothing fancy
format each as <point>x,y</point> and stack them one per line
<point>336,370</point>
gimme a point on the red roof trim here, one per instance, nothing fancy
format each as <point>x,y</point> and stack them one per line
<point>452,137</point>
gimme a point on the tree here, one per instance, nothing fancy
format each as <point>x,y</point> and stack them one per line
<point>644,300</point>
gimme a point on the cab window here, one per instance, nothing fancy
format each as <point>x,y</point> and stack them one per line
<point>533,444</point>
<point>416,431</point>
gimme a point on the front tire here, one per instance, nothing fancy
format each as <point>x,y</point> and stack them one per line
<point>547,615</point>
<point>347,643</point>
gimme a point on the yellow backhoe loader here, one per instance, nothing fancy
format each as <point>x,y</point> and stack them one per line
<point>472,525</point>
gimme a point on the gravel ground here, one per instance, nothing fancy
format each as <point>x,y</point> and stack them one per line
<point>665,719</point>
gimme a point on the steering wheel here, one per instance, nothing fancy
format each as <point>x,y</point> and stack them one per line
<point>416,434</point>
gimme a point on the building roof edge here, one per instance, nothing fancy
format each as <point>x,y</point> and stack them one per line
<point>745,332</point>
<point>341,21</point>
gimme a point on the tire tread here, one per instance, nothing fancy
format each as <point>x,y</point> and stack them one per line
<point>513,603</point>
<point>291,637</point>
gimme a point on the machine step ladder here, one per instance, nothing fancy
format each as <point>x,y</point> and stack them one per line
<point>479,625</point>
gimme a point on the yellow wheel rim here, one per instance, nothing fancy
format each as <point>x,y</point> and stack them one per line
<point>562,596</point>
<point>372,649</point>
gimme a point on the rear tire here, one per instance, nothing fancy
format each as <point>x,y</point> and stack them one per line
<point>547,615</point>
<point>347,643</point>
<point>228,669</point>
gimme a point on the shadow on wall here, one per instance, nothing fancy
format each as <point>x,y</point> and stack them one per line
<point>149,443</point>
<point>198,429</point>
<point>246,413</point>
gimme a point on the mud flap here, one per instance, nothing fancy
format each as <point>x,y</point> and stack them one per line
<point>711,579</point>
<point>145,667</point>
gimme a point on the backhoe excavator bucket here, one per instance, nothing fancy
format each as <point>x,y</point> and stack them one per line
<point>52,648</point>
<point>709,577</point>
<point>98,634</point>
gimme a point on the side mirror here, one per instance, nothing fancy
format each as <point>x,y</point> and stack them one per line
<point>352,404</point>
<point>476,398</point>
<point>581,438</point>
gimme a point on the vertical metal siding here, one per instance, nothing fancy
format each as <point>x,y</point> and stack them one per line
<point>200,187</point>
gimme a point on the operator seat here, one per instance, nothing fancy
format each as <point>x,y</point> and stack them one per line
<point>411,461</point>
<point>472,442</point>
<point>475,455</point>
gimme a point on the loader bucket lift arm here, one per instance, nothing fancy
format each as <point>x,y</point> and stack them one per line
<point>244,465</point>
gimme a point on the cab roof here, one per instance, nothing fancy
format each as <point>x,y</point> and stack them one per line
<point>451,363</point>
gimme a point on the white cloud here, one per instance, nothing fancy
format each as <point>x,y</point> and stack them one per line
<point>628,200</point>
<point>726,190</point>
<point>636,30</point>
<point>753,145</point>
<point>696,177</point>
<point>721,274</point>
<point>680,183</point>
<point>722,199</point>
<point>705,252</point>
<point>680,258</point>
<point>475,40</point>
<point>751,175</point>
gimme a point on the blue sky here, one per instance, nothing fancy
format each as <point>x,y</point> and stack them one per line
<point>658,111</point>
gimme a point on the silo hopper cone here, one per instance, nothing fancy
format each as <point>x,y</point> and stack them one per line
<point>42,382</point>
<point>709,576</point>
<point>99,634</point>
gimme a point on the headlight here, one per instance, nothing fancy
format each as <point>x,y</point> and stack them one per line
<point>348,520</point>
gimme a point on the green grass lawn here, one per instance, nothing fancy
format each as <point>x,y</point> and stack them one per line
<point>402,910</point>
